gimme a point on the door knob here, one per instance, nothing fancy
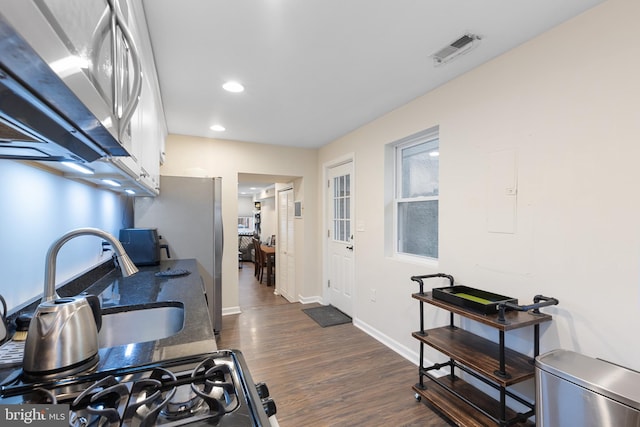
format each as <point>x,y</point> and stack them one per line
<point>350,247</point>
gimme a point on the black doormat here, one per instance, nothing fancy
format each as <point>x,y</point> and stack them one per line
<point>327,315</point>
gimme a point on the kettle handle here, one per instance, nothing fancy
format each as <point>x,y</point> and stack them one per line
<point>4,308</point>
<point>94,303</point>
<point>3,319</point>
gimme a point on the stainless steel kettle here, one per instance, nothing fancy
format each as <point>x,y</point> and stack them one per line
<point>63,336</point>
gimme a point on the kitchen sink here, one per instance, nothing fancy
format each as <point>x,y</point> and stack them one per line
<point>139,323</point>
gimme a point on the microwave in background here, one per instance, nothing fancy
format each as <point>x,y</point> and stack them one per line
<point>80,57</point>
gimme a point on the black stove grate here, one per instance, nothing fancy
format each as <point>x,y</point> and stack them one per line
<point>213,389</point>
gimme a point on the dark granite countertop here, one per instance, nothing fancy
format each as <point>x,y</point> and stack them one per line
<point>145,287</point>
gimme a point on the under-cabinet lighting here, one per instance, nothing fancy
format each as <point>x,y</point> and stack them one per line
<point>233,86</point>
<point>111,182</point>
<point>79,167</point>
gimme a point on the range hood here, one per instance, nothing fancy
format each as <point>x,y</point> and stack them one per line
<point>40,117</point>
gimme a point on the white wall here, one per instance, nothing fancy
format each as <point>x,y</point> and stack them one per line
<point>193,156</point>
<point>567,104</point>
<point>245,206</point>
<point>268,218</point>
<point>39,206</point>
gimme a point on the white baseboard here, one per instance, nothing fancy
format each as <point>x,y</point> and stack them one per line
<point>231,310</point>
<point>411,355</point>
<point>309,300</point>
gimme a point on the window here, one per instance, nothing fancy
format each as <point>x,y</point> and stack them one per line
<point>417,192</point>
<point>245,223</point>
<point>342,208</point>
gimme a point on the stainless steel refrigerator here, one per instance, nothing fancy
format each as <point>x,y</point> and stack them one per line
<point>188,216</point>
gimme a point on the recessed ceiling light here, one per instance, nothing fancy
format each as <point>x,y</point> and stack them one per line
<point>233,86</point>
<point>217,128</point>
<point>129,191</point>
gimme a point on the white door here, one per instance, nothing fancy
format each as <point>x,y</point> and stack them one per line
<point>285,247</point>
<point>339,202</point>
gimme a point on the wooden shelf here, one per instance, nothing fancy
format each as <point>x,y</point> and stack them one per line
<point>488,361</point>
<point>513,319</point>
<point>478,354</point>
<point>459,411</point>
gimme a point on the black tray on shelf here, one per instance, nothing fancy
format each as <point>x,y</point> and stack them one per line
<point>471,298</point>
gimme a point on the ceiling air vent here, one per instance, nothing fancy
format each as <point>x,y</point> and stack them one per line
<point>456,48</point>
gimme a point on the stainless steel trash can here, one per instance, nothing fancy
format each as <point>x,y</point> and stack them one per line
<point>575,390</point>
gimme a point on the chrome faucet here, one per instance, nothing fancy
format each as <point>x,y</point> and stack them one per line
<point>126,265</point>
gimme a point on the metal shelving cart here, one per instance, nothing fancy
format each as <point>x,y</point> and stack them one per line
<point>491,363</point>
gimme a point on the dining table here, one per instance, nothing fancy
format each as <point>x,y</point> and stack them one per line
<point>270,259</point>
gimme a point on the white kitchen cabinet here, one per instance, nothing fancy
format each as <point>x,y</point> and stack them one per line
<point>148,126</point>
<point>116,82</point>
<point>141,169</point>
<point>87,44</point>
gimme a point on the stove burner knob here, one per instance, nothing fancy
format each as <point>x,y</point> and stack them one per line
<point>263,390</point>
<point>269,406</point>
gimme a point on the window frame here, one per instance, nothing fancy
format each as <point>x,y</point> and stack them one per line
<point>345,225</point>
<point>423,137</point>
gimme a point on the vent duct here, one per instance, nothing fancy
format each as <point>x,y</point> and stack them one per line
<point>456,48</point>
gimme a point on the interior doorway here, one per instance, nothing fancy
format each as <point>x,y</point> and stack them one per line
<point>258,199</point>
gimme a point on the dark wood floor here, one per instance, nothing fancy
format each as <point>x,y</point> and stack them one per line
<point>335,376</point>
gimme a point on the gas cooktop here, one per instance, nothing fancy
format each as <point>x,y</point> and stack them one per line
<point>212,389</point>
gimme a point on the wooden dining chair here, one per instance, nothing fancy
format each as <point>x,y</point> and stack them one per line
<point>259,260</point>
